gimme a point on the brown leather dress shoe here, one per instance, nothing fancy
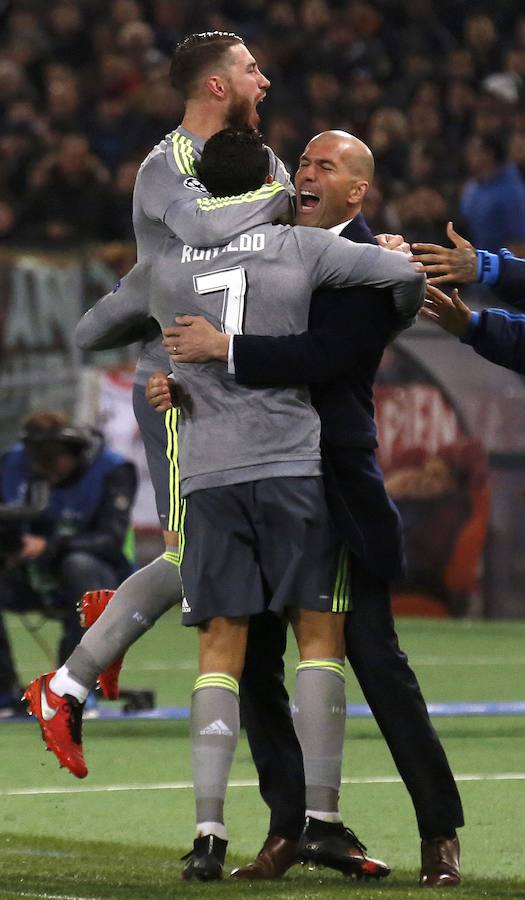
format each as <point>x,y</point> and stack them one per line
<point>440,862</point>
<point>274,858</point>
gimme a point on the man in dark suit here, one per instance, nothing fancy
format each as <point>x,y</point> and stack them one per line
<point>338,357</point>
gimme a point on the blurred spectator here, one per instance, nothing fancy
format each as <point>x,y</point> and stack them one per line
<point>7,221</point>
<point>14,84</point>
<point>70,37</point>
<point>401,75</point>
<point>125,11</point>
<point>119,225</point>
<point>481,38</point>
<point>460,65</point>
<point>69,198</point>
<point>381,216</point>
<point>115,130</point>
<point>459,104</point>
<point>388,132</point>
<point>117,75</point>
<point>285,139</point>
<point>422,211</point>
<point>64,108</point>
<point>137,41</point>
<point>78,538</point>
<point>18,150</point>
<point>159,105</point>
<point>493,199</point>
<point>517,151</point>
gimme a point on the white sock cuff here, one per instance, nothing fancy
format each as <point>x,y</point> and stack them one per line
<point>216,828</point>
<point>323,816</point>
<point>63,683</point>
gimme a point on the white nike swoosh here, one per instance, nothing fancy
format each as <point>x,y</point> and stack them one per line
<point>47,712</point>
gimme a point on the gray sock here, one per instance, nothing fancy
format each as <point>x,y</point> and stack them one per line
<point>214,734</point>
<point>319,716</point>
<point>136,606</point>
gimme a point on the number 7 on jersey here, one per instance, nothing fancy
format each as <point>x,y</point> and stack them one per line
<point>232,282</point>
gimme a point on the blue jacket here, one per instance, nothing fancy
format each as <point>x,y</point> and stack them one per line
<point>89,513</point>
<point>338,357</point>
<point>496,334</point>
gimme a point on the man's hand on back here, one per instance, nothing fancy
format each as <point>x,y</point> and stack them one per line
<point>393,242</point>
<point>195,340</point>
<point>33,546</point>
<point>158,392</point>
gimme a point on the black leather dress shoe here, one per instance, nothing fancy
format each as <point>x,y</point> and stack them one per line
<point>275,857</point>
<point>440,862</point>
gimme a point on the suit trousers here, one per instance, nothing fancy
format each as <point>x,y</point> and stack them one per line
<point>391,690</point>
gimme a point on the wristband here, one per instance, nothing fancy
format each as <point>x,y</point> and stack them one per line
<point>487,267</point>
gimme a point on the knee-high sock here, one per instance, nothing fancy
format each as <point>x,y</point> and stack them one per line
<point>214,735</point>
<point>319,715</point>
<point>135,607</point>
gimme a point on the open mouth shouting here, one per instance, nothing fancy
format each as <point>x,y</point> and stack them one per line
<point>308,200</point>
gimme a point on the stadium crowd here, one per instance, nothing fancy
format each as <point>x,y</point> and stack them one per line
<point>435,90</point>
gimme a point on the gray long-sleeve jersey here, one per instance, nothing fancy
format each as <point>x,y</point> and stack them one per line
<point>169,198</point>
<point>260,283</point>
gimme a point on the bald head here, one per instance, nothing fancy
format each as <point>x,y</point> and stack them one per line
<point>355,154</point>
<point>335,172</point>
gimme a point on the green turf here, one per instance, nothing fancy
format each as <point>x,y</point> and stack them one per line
<point>99,871</point>
<point>144,827</point>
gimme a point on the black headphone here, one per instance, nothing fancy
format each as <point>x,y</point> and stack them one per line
<point>74,439</point>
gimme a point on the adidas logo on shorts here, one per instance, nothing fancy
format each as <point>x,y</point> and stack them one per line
<point>217,727</point>
<point>186,608</point>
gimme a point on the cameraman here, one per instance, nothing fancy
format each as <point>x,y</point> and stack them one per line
<point>81,540</point>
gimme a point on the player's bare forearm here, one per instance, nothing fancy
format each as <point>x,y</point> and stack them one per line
<point>448,265</point>
<point>195,340</point>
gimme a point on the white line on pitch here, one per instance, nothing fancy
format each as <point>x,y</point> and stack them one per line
<point>470,661</point>
<point>45,896</point>
<point>187,785</point>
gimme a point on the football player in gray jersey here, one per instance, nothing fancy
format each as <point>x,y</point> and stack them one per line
<point>252,490</point>
<point>221,83</point>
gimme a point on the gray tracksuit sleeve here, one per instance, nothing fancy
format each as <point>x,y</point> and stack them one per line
<point>336,263</point>
<point>171,198</point>
<point>114,315</point>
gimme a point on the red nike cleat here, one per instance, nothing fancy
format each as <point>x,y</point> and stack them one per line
<point>92,606</point>
<point>60,719</point>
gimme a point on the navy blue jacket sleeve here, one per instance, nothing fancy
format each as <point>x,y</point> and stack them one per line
<point>315,356</point>
<point>504,274</point>
<point>499,336</point>
<point>510,286</point>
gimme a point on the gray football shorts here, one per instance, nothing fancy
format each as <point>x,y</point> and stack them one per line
<point>159,435</point>
<point>261,545</point>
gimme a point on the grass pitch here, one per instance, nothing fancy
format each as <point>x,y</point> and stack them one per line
<point>121,832</point>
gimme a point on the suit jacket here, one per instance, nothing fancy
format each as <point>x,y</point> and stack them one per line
<point>338,357</point>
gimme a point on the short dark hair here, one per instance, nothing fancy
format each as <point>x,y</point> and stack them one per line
<point>50,432</point>
<point>495,144</point>
<point>233,161</point>
<point>196,53</point>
